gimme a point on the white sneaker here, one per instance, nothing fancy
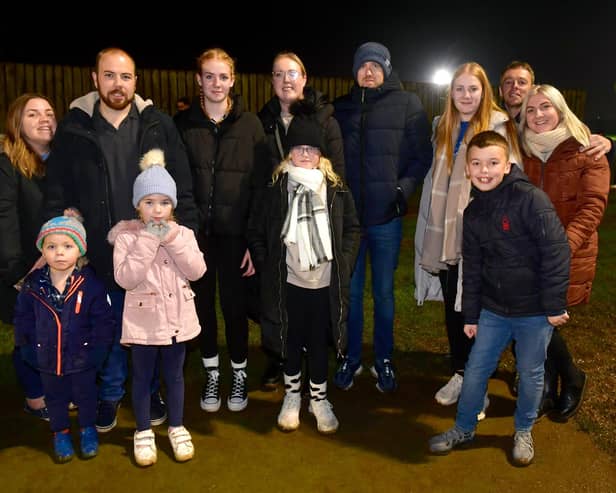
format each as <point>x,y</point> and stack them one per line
<point>181,442</point>
<point>288,418</point>
<point>486,402</point>
<point>449,393</point>
<point>323,412</point>
<point>523,448</point>
<point>238,399</point>
<point>144,447</point>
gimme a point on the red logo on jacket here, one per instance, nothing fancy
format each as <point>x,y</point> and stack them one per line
<point>506,224</point>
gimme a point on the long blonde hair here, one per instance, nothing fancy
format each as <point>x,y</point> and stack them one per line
<point>480,121</point>
<point>325,165</point>
<point>25,159</point>
<point>578,130</point>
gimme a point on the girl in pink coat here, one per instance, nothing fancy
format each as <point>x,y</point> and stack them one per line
<point>154,259</point>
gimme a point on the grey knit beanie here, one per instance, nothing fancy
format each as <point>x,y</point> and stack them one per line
<point>372,52</point>
<point>154,178</point>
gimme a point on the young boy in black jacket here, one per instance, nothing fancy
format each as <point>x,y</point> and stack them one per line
<point>515,278</point>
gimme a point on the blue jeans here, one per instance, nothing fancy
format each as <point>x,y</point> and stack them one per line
<point>383,243</point>
<point>114,371</point>
<point>532,336</point>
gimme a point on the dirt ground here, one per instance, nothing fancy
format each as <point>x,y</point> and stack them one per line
<point>381,446</point>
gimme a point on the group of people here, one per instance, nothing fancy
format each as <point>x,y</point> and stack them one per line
<point>293,200</point>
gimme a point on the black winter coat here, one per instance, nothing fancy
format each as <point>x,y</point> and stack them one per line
<point>515,252</point>
<point>222,159</point>
<point>269,254</point>
<point>78,176</point>
<point>21,203</point>
<point>386,145</point>
<point>313,101</point>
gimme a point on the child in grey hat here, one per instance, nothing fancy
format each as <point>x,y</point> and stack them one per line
<point>154,260</point>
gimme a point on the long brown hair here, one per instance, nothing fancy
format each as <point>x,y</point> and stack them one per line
<point>25,159</point>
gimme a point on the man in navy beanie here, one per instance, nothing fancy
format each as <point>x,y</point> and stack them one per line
<point>387,152</point>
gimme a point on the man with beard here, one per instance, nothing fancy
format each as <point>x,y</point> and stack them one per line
<point>91,170</point>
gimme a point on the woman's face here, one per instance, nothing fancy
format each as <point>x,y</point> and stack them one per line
<point>215,80</point>
<point>466,91</point>
<point>38,123</point>
<point>288,80</point>
<point>541,116</point>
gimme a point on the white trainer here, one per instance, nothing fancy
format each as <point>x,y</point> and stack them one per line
<point>323,412</point>
<point>181,442</point>
<point>288,418</point>
<point>144,447</point>
<point>523,448</point>
<point>449,393</point>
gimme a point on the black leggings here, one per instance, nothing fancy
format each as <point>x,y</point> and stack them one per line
<point>459,344</point>
<point>308,316</point>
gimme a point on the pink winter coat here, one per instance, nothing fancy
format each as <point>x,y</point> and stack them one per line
<point>159,308</point>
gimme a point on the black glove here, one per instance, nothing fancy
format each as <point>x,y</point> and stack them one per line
<point>402,204</point>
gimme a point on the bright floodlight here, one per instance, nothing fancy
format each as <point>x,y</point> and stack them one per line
<point>441,77</point>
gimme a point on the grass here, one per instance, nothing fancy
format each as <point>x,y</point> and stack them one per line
<point>420,335</point>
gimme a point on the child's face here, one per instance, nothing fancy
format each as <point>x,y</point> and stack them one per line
<point>155,207</point>
<point>487,167</point>
<point>305,156</point>
<point>60,252</point>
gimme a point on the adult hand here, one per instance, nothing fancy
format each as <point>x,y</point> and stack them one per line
<point>470,330</point>
<point>598,146</point>
<point>247,265</point>
<point>557,320</point>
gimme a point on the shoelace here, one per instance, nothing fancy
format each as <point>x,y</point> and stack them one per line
<point>238,387</point>
<point>211,389</point>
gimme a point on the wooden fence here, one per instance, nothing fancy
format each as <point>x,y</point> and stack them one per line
<point>62,84</point>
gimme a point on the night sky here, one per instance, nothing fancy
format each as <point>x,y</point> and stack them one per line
<point>567,47</point>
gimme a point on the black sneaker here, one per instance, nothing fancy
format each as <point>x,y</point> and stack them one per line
<point>158,409</point>
<point>210,394</point>
<point>238,400</point>
<point>41,413</point>
<point>107,415</point>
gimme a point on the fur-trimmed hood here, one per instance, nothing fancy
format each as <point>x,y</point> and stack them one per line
<point>86,103</point>
<point>130,225</point>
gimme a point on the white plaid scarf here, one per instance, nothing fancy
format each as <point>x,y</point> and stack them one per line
<point>307,221</point>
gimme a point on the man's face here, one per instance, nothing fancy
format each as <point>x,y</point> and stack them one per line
<point>371,75</point>
<point>515,86</point>
<point>115,80</point>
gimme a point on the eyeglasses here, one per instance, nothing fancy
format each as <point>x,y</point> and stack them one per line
<point>292,75</point>
<point>311,151</point>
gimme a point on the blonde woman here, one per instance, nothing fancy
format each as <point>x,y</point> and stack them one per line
<point>304,241</point>
<point>470,109</point>
<point>578,185</point>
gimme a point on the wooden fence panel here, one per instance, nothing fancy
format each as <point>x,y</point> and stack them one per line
<point>62,84</point>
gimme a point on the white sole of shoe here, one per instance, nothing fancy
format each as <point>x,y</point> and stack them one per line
<point>236,407</point>
<point>210,408</point>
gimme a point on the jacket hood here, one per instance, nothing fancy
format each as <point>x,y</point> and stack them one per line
<point>131,225</point>
<point>86,103</point>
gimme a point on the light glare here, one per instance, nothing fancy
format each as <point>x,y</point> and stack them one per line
<point>441,77</point>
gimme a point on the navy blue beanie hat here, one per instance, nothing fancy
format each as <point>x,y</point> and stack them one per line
<point>372,52</point>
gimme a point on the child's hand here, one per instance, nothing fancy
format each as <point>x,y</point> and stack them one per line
<point>159,230</point>
<point>557,320</point>
<point>470,330</point>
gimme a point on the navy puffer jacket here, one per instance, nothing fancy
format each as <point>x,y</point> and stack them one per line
<point>386,146</point>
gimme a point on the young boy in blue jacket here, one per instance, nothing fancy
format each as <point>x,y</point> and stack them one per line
<point>64,327</point>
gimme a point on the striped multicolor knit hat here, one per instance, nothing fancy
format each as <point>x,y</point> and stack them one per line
<point>66,226</point>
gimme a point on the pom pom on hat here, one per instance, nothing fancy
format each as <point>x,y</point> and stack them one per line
<point>372,52</point>
<point>64,225</point>
<point>154,178</point>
